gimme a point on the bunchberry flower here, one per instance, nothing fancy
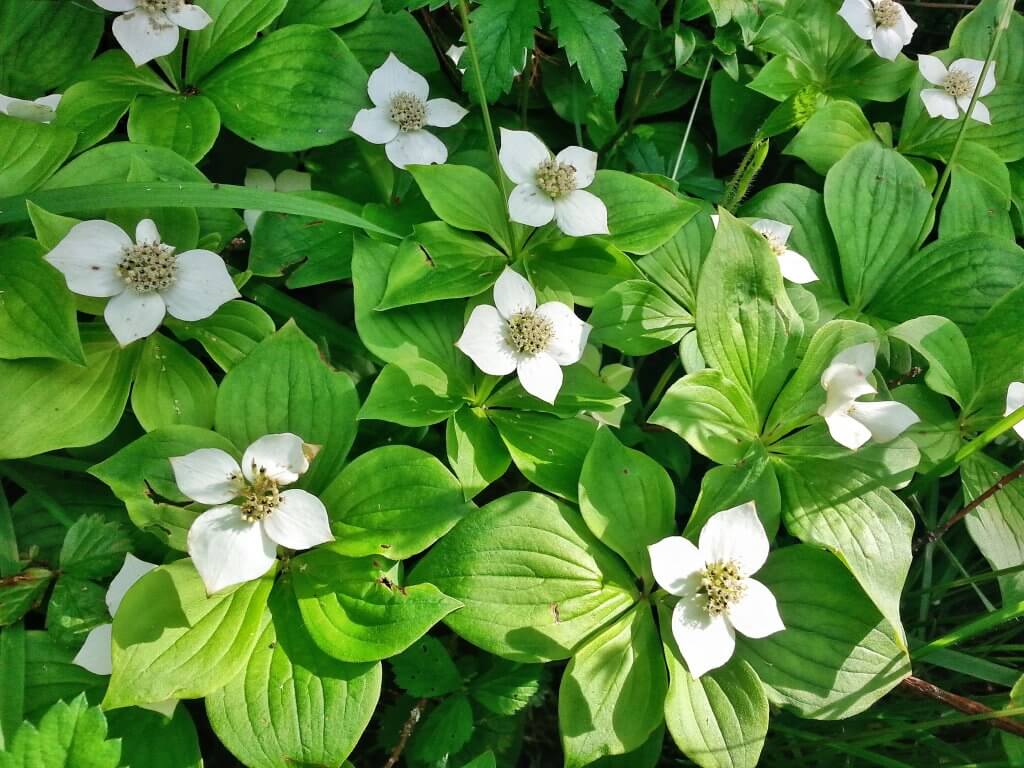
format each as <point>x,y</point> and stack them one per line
<point>885,23</point>
<point>286,181</point>
<point>1014,400</point>
<point>956,87</point>
<point>148,29</point>
<point>793,266</point>
<point>42,110</point>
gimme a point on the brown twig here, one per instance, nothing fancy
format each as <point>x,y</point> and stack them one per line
<point>403,738</point>
<point>943,6</point>
<point>960,704</point>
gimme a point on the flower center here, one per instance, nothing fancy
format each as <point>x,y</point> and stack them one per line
<point>153,6</point>
<point>529,332</point>
<point>555,178</point>
<point>260,498</point>
<point>887,13</point>
<point>778,247</point>
<point>408,111</point>
<point>148,267</point>
<point>959,83</point>
<point>722,585</point>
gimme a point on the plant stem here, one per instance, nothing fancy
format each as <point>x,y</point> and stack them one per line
<point>693,114</point>
<point>403,738</point>
<point>971,629</point>
<point>960,704</point>
<point>659,388</point>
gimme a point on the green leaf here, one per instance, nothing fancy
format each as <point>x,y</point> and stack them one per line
<point>831,132</point>
<point>53,404</point>
<point>229,334</point>
<point>150,739</point>
<point>638,318</point>
<point>979,195</point>
<point>991,341</point>
<point>425,670</point>
<point>445,730</point>
<point>285,386</point>
<point>296,88</point>
<point>751,479</point>
<point>591,41</point>
<point>586,266</point>
<point>627,500</point>
<point>75,608</point>
<point>641,215</point>
<point>323,13</point>
<point>503,33</point>
<point>356,609</point>
<point>235,25</point>
<point>172,641</point>
<point>21,592</point>
<point>51,676</point>
<point>281,241</point>
<point>68,736</point>
<point>50,228</point>
<point>507,687</point>
<point>394,501</point>
<point>943,345</point>
<point>412,394</point>
<point>476,452</point>
<point>187,124</point>
<point>611,695</point>
<point>534,582</point>
<point>582,390</point>
<point>37,313</point>
<point>379,33</point>
<point>464,198</point>
<point>30,153</point>
<point>13,671</point>
<point>94,548</point>
<point>823,676</point>
<point>93,108</point>
<point>676,265</point>
<point>736,111</point>
<point>171,386</point>
<point>293,704</point>
<point>996,525</point>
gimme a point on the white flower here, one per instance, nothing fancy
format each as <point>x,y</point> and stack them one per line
<point>1015,400</point>
<point>793,266</point>
<point>956,87</point>
<point>716,593</point>
<point>145,278</point>
<point>552,186</point>
<point>885,23</point>
<point>517,335</point>
<point>42,110</point>
<point>401,111</point>
<point>234,543</point>
<point>95,654</point>
<point>286,181</point>
<point>851,423</point>
<point>148,29</point>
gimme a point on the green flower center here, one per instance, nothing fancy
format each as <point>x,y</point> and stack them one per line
<point>260,498</point>
<point>722,585</point>
<point>959,83</point>
<point>148,267</point>
<point>887,13</point>
<point>555,178</point>
<point>529,333</point>
<point>408,111</point>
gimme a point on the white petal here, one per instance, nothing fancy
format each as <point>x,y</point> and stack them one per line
<point>281,457</point>
<point>887,42</point>
<point>132,315</point>
<point>706,642</point>
<point>677,565</point>
<point>257,178</point>
<point>483,341</point>
<point>886,420</point>
<point>980,111</point>
<point>96,654</point>
<point>860,356</point>
<point>772,228</point>
<point>208,475</point>
<point>189,16</point>
<point>735,535</point>
<point>756,614</point>
<point>117,5</point>
<point>581,213</point>
<point>416,148</point>
<point>146,232</point>
<point>393,77</point>
<point>250,218</point>
<point>455,52</point>
<point>131,571</point>
<point>88,257</point>
<point>52,101</point>
<point>444,113</point>
<point>226,550</point>
<point>846,430</point>
<point>796,268</point>
<point>520,155</point>
<point>973,67</point>
<point>939,103</point>
<point>932,68</point>
<point>299,522</point>
<point>290,180</point>
<point>529,205</point>
<point>513,294</point>
<point>145,36</point>
<point>165,708</point>
<point>29,110</point>
<point>375,125</point>
<point>1014,400</point>
<point>583,160</point>
<point>541,376</point>
<point>715,219</point>
<point>843,384</point>
<point>860,15</point>
<point>570,333</point>
<point>201,285</point>
<point>906,26</point>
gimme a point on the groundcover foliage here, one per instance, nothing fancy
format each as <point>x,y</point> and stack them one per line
<point>511,382</point>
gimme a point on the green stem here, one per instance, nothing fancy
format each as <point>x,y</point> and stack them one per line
<point>693,114</point>
<point>971,629</point>
<point>749,167</point>
<point>659,388</point>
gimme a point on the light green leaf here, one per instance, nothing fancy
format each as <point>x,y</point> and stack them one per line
<point>30,153</point>
<point>172,386</point>
<point>997,524</point>
<point>591,41</point>
<point>992,342</point>
<point>464,198</point>
<point>503,33</point>
<point>641,215</point>
<point>586,266</point>
<point>979,195</point>
<point>324,13</point>
<point>675,265</point>
<point>188,124</point>
<point>475,450</point>
<point>582,390</point>
<point>425,670</point>
<point>638,318</point>
<point>68,736</point>
<point>229,334</point>
<point>943,345</point>
<point>235,25</point>
<point>831,132</point>
<point>379,33</point>
<point>93,108</point>
<point>752,478</point>
<point>412,394</point>
<point>282,241</point>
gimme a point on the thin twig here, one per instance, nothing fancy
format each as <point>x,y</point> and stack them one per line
<point>960,704</point>
<point>943,6</point>
<point>693,114</point>
<point>403,738</point>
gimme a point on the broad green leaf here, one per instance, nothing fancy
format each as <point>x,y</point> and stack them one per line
<point>973,37</point>
<point>997,525</point>
<point>817,675</point>
<point>13,672</point>
<point>52,404</point>
<point>412,394</point>
<point>938,435</point>
<point>50,228</point>
<point>943,345</point>
<point>292,704</point>
<point>37,313</point>
<point>464,198</point>
<point>171,386</point>
<point>296,88</point>
<point>444,731</point>
<point>425,669</point>
<point>50,675</point>
<point>475,450</point>
<point>357,610</point>
<point>591,41</point>
<point>610,698</point>
<point>503,33</point>
<point>284,385</point>
<point>21,592</point>
<point>67,736</point>
<point>752,478</point>
<point>75,608</point>
<point>324,13</point>
<point>831,132</point>
<point>229,334</point>
<point>641,215</point>
<point>534,582</point>
<point>171,640</point>
<point>992,342</point>
<point>586,266</point>
<point>150,739</point>
<point>736,111</point>
<point>280,241</point>
<point>507,687</point>
<point>979,195</point>
<point>187,124</point>
<point>675,265</point>
<point>379,33</point>
<point>235,25</point>
<point>638,318</point>
<point>29,153</point>
<point>394,501</point>
<point>94,548</point>
<point>93,108</point>
<point>582,390</point>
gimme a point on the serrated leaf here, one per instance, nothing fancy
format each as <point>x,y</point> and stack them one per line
<point>425,670</point>
<point>503,33</point>
<point>68,736</point>
<point>444,730</point>
<point>94,547</point>
<point>20,593</point>
<point>590,38</point>
<point>76,606</point>
<point>506,687</point>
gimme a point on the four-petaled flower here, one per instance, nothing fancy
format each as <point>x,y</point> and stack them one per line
<point>145,278</point>
<point>400,113</point>
<point>148,29</point>
<point>716,595</point>
<point>1015,400</point>
<point>517,335</point>
<point>234,543</point>
<point>956,87</point>
<point>852,423</point>
<point>41,110</point>
<point>95,654</point>
<point>885,23</point>
<point>552,186</point>
<point>793,266</point>
<point>286,181</point>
